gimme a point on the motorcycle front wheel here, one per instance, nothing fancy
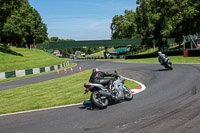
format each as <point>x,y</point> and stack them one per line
<point>169,66</point>
<point>99,100</point>
<point>128,95</point>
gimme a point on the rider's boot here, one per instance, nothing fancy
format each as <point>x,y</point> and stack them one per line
<point>111,86</point>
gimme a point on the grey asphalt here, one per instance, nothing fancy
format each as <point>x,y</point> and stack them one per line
<point>169,104</point>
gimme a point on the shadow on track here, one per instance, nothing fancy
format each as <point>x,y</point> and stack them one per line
<point>162,70</point>
<point>89,106</point>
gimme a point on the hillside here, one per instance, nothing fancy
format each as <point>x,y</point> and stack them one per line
<point>12,58</point>
<point>100,53</point>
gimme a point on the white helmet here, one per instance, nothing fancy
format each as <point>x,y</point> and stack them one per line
<point>159,53</point>
<point>96,70</point>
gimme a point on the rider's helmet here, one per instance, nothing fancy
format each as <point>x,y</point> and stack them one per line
<point>95,70</point>
<point>159,52</point>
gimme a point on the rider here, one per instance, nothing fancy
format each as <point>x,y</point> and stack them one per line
<point>98,77</point>
<point>161,57</point>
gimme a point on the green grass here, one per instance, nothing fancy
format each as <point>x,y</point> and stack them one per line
<point>61,91</point>
<point>174,59</point>
<point>130,84</point>
<point>182,59</point>
<point>150,50</point>
<point>13,58</point>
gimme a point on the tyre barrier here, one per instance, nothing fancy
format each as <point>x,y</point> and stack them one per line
<point>19,73</point>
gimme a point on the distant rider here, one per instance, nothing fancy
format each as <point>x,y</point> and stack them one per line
<point>161,57</point>
<point>98,77</point>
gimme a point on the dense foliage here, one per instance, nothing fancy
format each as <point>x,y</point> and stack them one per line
<point>124,26</point>
<point>21,24</point>
<point>158,19</point>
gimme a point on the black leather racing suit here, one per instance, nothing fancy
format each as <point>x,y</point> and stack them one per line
<point>161,58</point>
<point>98,77</point>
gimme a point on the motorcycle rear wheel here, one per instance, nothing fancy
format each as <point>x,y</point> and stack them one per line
<point>128,95</point>
<point>99,100</point>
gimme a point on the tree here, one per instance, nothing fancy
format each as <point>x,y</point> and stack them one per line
<point>39,28</point>
<point>23,26</point>
<point>124,27</point>
<point>11,30</point>
<point>147,19</point>
<point>54,39</point>
<point>6,8</point>
<point>167,18</point>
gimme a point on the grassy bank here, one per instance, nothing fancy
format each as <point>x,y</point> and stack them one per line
<point>62,91</point>
<point>100,53</point>
<point>13,58</point>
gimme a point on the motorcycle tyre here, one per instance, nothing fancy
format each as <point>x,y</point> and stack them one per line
<point>96,103</point>
<point>130,96</point>
<point>169,67</point>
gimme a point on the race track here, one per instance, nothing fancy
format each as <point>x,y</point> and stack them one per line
<point>169,104</point>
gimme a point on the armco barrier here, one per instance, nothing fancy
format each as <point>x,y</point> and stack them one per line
<point>195,52</point>
<point>18,73</point>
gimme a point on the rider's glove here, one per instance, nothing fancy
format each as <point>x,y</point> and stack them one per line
<point>116,75</point>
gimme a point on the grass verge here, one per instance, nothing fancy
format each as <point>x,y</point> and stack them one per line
<point>62,91</point>
<point>173,59</point>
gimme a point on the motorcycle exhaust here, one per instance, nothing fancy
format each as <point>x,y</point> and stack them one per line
<point>104,93</point>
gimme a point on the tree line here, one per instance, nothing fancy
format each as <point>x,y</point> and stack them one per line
<point>21,24</point>
<point>158,19</point>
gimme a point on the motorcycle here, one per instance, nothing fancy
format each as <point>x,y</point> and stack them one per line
<point>101,96</point>
<point>167,63</point>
